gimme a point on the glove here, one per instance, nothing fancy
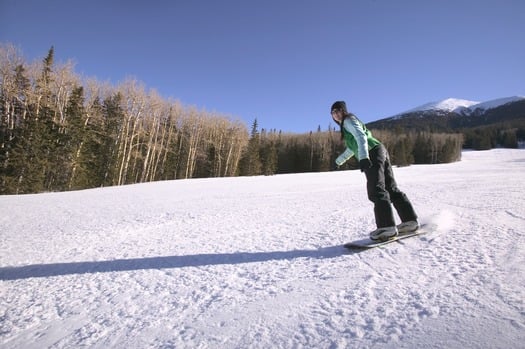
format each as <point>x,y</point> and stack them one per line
<point>365,164</point>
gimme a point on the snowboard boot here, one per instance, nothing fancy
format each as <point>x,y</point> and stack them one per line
<point>408,227</point>
<point>383,234</point>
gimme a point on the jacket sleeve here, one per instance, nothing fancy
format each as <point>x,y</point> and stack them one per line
<point>344,157</point>
<point>352,125</point>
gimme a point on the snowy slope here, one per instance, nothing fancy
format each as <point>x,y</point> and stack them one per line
<point>256,262</point>
<point>496,103</point>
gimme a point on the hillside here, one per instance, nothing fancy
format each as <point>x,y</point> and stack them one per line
<point>257,262</point>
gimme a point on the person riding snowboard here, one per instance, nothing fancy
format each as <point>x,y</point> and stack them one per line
<point>381,186</point>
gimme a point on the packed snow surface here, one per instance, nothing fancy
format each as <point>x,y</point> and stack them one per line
<point>257,262</point>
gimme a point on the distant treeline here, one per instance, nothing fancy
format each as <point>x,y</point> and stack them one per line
<point>273,152</point>
<point>60,132</point>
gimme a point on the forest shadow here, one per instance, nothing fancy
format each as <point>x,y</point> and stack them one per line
<point>168,262</point>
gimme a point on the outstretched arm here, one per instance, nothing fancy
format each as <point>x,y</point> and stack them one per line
<point>344,157</point>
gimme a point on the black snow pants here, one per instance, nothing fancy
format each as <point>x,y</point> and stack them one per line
<point>383,191</point>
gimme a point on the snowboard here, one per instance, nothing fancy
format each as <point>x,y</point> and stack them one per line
<point>369,243</point>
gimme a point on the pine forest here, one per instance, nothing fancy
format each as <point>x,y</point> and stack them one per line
<point>60,132</point>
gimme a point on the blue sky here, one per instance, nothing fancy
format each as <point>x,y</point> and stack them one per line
<point>284,62</point>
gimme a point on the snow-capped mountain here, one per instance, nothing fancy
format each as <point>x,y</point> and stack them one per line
<point>453,113</point>
<point>495,103</point>
<point>449,104</point>
<point>462,106</point>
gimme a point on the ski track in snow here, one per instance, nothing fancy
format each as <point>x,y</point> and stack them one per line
<point>257,262</point>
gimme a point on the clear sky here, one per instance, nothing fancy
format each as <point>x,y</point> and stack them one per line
<point>281,61</point>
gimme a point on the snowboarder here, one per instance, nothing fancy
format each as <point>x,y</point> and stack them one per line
<point>381,186</point>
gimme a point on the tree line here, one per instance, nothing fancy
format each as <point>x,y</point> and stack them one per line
<point>272,152</point>
<point>505,134</point>
<point>60,132</point>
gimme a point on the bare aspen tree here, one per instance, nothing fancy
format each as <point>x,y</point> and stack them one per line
<point>152,123</point>
<point>61,85</point>
<point>216,134</point>
<point>129,137</point>
<point>171,123</point>
<point>13,89</point>
<point>238,142</point>
<point>165,128</point>
<point>10,61</point>
<point>229,153</point>
<point>194,129</point>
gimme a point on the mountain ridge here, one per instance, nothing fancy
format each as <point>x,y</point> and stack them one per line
<point>455,114</point>
<point>462,106</point>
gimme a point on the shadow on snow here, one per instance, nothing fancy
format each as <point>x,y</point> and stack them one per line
<point>149,263</point>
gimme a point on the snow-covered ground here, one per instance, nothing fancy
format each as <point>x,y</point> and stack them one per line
<point>257,262</point>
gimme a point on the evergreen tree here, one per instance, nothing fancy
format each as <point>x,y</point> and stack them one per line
<point>251,163</point>
<point>268,156</point>
<point>508,139</point>
<point>481,140</point>
<point>113,119</point>
<point>13,109</point>
<point>34,150</point>
<point>76,139</point>
<point>422,149</point>
<point>93,159</point>
<point>402,152</point>
<point>449,151</point>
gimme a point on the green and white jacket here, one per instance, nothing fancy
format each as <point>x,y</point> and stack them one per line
<point>358,140</point>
